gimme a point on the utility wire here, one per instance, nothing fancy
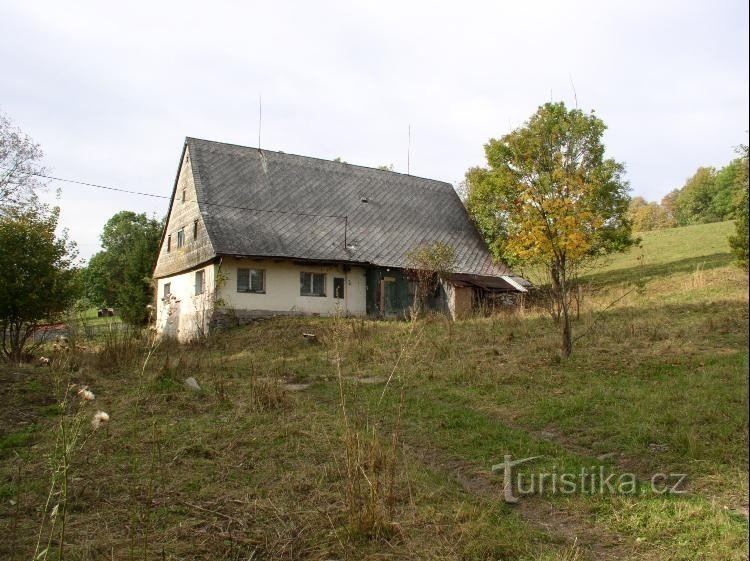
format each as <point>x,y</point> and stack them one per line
<point>131,192</point>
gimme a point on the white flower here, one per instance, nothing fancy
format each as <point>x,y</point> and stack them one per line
<point>86,394</point>
<point>99,419</point>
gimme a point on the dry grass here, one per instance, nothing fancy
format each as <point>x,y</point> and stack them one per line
<point>247,469</point>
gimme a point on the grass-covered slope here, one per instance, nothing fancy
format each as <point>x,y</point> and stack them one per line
<point>377,442</point>
<point>671,251</point>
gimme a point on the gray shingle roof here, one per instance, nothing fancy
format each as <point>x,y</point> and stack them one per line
<point>315,203</point>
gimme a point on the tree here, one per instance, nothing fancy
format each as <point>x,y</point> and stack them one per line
<point>669,204</point>
<point>549,198</point>
<point>646,216</point>
<point>429,265</point>
<point>119,275</point>
<point>37,281</point>
<point>740,241</point>
<point>726,203</point>
<point>694,204</point>
<point>20,167</point>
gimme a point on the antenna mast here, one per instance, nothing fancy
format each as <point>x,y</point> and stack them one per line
<point>572,85</point>
<point>408,153</point>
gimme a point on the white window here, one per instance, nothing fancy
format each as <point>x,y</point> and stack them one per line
<point>251,280</point>
<point>199,282</point>
<point>167,290</point>
<point>180,237</point>
<point>312,284</point>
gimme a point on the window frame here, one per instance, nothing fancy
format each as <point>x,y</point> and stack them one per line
<point>311,284</point>
<point>169,243</point>
<point>166,290</point>
<point>249,289</point>
<point>202,274</point>
<point>181,237</point>
<point>342,282</point>
<point>195,229</point>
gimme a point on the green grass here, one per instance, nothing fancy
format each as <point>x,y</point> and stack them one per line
<point>666,252</point>
<point>14,440</point>
<point>246,469</point>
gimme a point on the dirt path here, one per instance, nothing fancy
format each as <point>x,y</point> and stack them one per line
<point>567,528</point>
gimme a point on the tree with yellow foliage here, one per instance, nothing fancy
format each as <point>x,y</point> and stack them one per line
<point>549,198</point>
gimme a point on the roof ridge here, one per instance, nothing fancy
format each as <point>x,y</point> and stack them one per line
<point>369,168</point>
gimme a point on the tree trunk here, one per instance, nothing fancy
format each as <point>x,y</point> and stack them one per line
<point>567,338</point>
<point>554,274</point>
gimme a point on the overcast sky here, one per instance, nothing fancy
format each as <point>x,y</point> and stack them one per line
<point>110,89</point>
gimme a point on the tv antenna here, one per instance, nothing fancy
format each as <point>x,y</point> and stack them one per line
<point>572,85</point>
<point>408,152</point>
<point>260,117</point>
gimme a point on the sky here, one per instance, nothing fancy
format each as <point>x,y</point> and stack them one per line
<point>111,89</point>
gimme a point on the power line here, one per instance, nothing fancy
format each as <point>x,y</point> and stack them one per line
<point>97,186</point>
<point>131,192</point>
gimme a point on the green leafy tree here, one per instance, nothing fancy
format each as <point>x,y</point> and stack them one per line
<point>37,280</point>
<point>740,241</point>
<point>549,198</point>
<point>669,204</point>
<point>726,204</point>
<point>694,204</point>
<point>119,275</point>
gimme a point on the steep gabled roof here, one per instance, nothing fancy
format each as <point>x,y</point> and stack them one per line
<point>271,204</point>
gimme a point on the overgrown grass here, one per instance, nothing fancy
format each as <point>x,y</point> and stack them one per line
<point>263,464</point>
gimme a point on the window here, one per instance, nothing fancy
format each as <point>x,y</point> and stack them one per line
<point>183,195</point>
<point>167,290</point>
<point>251,280</point>
<point>169,243</point>
<point>338,287</point>
<point>180,237</point>
<point>195,230</point>
<point>312,284</point>
<point>199,282</point>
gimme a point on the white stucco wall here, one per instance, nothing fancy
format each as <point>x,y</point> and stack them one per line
<point>185,315</point>
<point>283,288</point>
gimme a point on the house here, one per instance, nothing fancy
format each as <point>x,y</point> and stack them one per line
<point>253,233</point>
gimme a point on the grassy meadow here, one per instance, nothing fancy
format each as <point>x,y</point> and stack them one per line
<point>377,440</point>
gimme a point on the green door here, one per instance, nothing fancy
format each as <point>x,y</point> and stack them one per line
<point>389,296</point>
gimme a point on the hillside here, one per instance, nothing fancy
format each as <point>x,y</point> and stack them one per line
<point>671,251</point>
<point>377,441</point>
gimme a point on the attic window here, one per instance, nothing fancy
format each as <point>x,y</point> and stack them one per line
<point>184,195</point>
<point>169,243</point>
<point>195,229</point>
<point>180,237</point>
